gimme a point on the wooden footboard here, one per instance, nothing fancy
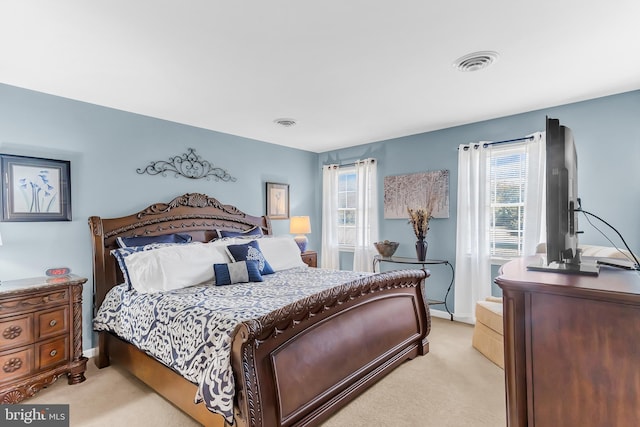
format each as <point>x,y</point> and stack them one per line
<point>300,364</point>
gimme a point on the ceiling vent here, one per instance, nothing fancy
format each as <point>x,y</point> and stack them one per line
<point>476,61</point>
<point>285,122</point>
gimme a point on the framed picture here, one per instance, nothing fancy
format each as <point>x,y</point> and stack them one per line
<point>277,200</point>
<point>35,189</point>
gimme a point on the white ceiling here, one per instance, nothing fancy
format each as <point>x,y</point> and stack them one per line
<point>348,71</point>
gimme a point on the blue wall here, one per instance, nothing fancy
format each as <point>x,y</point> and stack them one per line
<point>105,147</point>
<point>607,135</point>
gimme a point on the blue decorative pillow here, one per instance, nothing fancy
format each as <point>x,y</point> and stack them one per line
<point>236,272</point>
<point>122,253</point>
<point>127,242</point>
<point>254,232</point>
<point>250,251</point>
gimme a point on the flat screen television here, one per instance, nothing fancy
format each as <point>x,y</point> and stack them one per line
<point>562,204</point>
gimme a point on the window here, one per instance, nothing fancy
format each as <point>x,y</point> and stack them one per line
<point>349,213</point>
<point>347,196</point>
<point>507,179</point>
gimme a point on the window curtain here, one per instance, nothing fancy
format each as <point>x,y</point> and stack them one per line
<point>330,250</point>
<point>473,261</point>
<point>535,194</point>
<point>366,214</point>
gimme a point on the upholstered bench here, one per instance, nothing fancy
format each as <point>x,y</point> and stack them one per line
<point>488,331</point>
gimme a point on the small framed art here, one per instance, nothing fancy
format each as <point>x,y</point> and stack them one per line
<point>277,200</point>
<point>35,189</point>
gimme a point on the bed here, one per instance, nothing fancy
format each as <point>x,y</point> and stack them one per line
<point>366,327</point>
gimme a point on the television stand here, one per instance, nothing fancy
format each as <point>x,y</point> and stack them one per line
<point>571,347</point>
<point>584,268</point>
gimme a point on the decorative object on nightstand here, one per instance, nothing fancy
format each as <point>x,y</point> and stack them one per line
<point>310,258</point>
<point>300,225</point>
<point>419,220</point>
<point>40,335</point>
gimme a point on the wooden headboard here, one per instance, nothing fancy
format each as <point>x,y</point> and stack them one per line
<point>193,213</point>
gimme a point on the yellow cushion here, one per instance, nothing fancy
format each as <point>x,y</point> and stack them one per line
<point>489,343</point>
<point>489,313</point>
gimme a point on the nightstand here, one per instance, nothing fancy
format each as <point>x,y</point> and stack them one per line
<point>310,258</point>
<point>40,335</point>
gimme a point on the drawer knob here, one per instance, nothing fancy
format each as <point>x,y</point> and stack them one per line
<point>12,364</point>
<point>52,353</point>
<point>12,332</point>
<point>53,323</point>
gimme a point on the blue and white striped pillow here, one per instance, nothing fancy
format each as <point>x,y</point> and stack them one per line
<point>236,272</point>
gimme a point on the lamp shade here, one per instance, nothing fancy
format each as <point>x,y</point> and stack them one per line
<point>300,225</point>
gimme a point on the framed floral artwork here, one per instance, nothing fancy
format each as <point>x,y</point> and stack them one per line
<point>277,200</point>
<point>35,189</point>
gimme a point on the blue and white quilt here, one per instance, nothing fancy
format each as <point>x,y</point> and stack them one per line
<point>190,329</point>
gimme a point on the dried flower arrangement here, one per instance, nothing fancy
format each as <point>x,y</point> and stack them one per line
<point>419,219</point>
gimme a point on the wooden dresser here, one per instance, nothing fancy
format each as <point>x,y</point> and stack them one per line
<point>572,347</point>
<point>310,258</point>
<point>40,335</point>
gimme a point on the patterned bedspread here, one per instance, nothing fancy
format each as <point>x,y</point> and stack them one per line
<point>190,329</point>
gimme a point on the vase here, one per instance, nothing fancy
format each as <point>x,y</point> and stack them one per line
<point>421,249</point>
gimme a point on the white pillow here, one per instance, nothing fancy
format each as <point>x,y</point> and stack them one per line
<point>281,252</point>
<point>174,267</point>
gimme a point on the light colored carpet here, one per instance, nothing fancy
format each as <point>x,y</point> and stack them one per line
<point>452,386</point>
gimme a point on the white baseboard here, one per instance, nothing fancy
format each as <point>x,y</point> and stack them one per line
<point>445,315</point>
<point>92,352</point>
<point>440,313</point>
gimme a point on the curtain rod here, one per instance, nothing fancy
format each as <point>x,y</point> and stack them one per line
<point>372,160</point>
<point>486,144</point>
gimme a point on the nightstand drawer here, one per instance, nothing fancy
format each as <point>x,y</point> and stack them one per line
<point>16,364</point>
<point>15,331</point>
<point>52,322</point>
<point>51,353</point>
<point>32,302</point>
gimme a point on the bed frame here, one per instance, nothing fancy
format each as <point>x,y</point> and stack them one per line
<point>295,366</point>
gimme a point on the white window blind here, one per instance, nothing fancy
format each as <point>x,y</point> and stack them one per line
<point>347,197</point>
<point>507,178</point>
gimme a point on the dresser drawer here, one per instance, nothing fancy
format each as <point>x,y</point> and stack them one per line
<point>15,331</point>
<point>52,352</point>
<point>53,322</point>
<point>16,364</point>
<point>32,302</point>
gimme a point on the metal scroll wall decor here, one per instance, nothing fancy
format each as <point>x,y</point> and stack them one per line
<point>190,165</point>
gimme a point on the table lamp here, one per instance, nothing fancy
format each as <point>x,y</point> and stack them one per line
<point>300,225</point>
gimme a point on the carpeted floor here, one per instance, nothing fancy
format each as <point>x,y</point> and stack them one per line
<point>452,386</point>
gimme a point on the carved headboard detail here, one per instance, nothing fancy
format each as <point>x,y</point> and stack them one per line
<point>192,200</point>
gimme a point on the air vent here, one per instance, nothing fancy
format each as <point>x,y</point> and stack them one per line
<point>476,61</point>
<point>285,122</point>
